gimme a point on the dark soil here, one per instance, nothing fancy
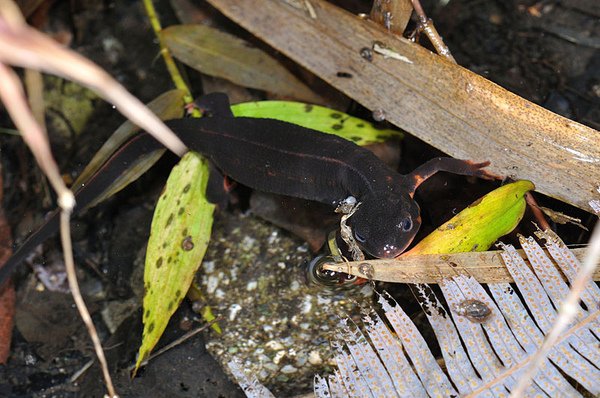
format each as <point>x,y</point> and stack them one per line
<point>546,51</point>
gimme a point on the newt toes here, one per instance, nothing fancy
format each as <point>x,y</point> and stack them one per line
<point>480,171</point>
<point>286,159</point>
<point>451,165</point>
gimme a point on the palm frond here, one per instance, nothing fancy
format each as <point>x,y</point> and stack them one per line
<point>485,338</point>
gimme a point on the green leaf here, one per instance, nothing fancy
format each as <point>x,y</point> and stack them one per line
<point>178,239</point>
<point>478,226</point>
<point>317,118</point>
<point>216,53</point>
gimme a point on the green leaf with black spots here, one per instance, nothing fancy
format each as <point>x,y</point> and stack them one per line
<point>478,226</point>
<point>178,239</point>
<point>317,118</point>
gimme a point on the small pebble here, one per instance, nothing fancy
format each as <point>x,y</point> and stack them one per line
<point>274,345</point>
<point>288,341</point>
<point>263,374</point>
<point>248,243</point>
<point>233,311</point>
<point>209,266</point>
<point>379,115</point>
<point>366,53</point>
<point>278,357</point>
<point>262,358</point>
<point>314,358</point>
<point>306,305</point>
<point>294,286</point>
<point>30,360</point>
<point>212,284</point>
<point>288,369</point>
<point>273,238</point>
<point>272,367</point>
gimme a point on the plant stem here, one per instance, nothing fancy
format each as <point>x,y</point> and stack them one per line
<point>167,57</point>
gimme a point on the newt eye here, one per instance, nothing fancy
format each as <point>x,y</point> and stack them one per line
<point>359,237</point>
<point>406,224</point>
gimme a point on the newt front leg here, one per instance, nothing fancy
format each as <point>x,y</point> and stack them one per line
<point>451,165</point>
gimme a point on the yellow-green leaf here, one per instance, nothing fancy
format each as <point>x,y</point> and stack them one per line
<point>178,239</point>
<point>317,118</point>
<point>478,226</point>
<point>216,53</point>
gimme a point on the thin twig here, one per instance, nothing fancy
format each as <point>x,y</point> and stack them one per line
<point>426,25</point>
<point>34,85</point>
<point>12,13</point>
<point>177,342</point>
<point>13,97</point>
<point>81,371</point>
<point>65,238</point>
<point>537,212</point>
<point>24,46</point>
<point>166,54</point>
<point>176,77</point>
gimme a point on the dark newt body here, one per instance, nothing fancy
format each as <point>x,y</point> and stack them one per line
<point>286,159</point>
<point>282,158</point>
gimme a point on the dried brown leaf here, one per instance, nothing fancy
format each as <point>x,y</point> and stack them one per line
<point>485,267</point>
<point>220,54</point>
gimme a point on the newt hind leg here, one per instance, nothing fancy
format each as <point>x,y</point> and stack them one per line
<point>219,187</point>
<point>451,165</point>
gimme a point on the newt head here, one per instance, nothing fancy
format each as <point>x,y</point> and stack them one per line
<point>385,223</point>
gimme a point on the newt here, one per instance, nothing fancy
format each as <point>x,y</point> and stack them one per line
<point>286,159</point>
